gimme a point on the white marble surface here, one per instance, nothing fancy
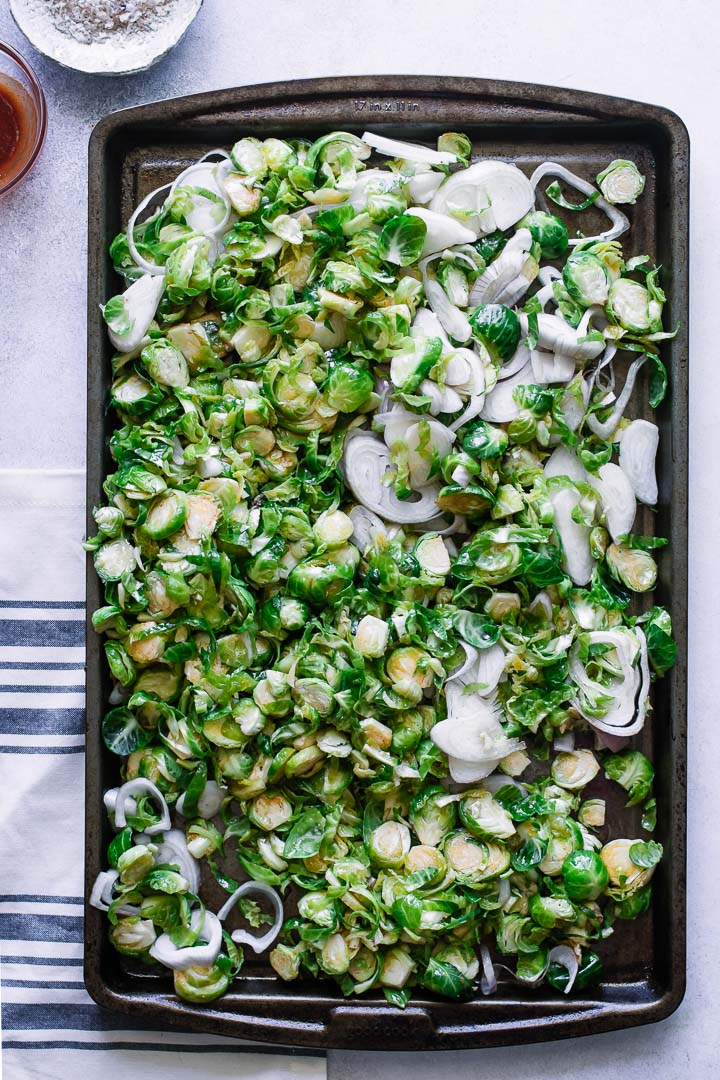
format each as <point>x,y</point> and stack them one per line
<point>665,52</point>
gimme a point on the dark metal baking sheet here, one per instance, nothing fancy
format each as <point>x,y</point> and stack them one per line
<point>134,151</point>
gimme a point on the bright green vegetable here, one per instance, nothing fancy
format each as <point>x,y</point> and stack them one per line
<point>349,621</point>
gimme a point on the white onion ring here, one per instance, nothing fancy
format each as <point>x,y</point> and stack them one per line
<point>366,460</point>
<point>176,959</point>
<point>140,786</point>
<point>257,943</point>
<point>620,223</point>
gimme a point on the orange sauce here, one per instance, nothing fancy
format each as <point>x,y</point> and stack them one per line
<point>11,124</point>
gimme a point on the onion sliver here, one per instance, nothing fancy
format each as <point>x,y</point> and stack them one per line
<point>618,499</point>
<point>629,690</point>
<point>574,537</point>
<point>405,151</point>
<point>638,448</point>
<point>174,849</point>
<point>619,223</point>
<point>567,958</point>
<point>257,943</point>
<point>366,460</point>
<point>500,406</point>
<point>203,955</point>
<point>486,196</point>
<point>137,788</point>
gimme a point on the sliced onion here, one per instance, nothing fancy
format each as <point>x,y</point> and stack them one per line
<point>500,406</point>
<point>489,669</point>
<point>542,602</point>
<point>453,320</point>
<point>465,372</point>
<point>618,499</point>
<point>406,151</point>
<point>606,429</point>
<point>486,196</point>
<point>488,980</point>
<point>209,802</point>
<point>257,943</point>
<point>366,460</point>
<point>463,673</point>
<point>367,527</point>
<point>204,174</point>
<point>627,715</point>
<point>375,180</point>
<point>497,278</point>
<point>519,359</point>
<point>554,335</point>
<point>445,401</point>
<point>619,223</point>
<point>638,448</point>
<point>567,958</point>
<point>564,462</point>
<point>102,890</point>
<point>442,231</point>
<point>174,849</point>
<point>551,368</point>
<point>395,424</point>
<point>140,301</point>
<point>140,787</point>
<point>148,267</point>
<point>564,743</point>
<point>469,772</point>
<point>423,185</point>
<point>427,325</point>
<point>441,440</point>
<point>574,538</point>
<point>205,955</point>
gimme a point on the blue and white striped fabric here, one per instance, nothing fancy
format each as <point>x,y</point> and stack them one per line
<point>52,1028</point>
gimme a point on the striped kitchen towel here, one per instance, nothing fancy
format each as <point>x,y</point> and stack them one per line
<point>51,1027</point>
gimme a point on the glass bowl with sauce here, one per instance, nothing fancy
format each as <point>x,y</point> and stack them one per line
<point>23,117</point>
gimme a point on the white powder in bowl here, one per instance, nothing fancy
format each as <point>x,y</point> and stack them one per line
<point>110,37</point>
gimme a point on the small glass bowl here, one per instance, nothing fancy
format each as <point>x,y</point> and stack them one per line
<point>18,77</point>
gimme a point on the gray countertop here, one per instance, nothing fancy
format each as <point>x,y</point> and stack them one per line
<point>664,53</point>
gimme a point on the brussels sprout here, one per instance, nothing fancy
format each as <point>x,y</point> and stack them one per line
<point>348,388</point>
<point>132,394</point>
<point>485,440</point>
<point>272,695</point>
<point>166,364</point>
<point>270,811</point>
<point>586,278</point>
<point>633,771</point>
<point>548,911</point>
<point>473,860</point>
<point>132,936</point>
<point>454,281</point>
<point>621,182</point>
<point>498,328</point>
<point>188,272</point>
<point>319,581</point>
<point>333,528</point>
<point>315,694</point>
<point>135,863</point>
<point>472,499</point>
<point>483,816</point>
<point>388,844</point>
<point>407,731</point>
<point>166,515</point>
<point>201,984</point>
<point>410,664</point>
<point>203,839</point>
<point>115,559</point>
<point>283,613</point>
<point>397,967</point>
<point>584,875</point>
<point>363,966</point>
<point>426,861</point>
<point>335,955</point>
<point>592,813</point>
<point>632,567</point>
<point>371,636</point>
<point>633,307</point>
<point>624,874</point>
<point>285,962</point>
<point>433,555</point>
<point>432,816</point>
<point>548,231</point>
<point>319,908</point>
<point>402,238</point>
<point>573,769</point>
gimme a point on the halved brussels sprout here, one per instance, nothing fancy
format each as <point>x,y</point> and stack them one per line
<point>270,811</point>
<point>632,567</point>
<point>585,875</point>
<point>166,515</point>
<point>472,860</point>
<point>483,816</point>
<point>548,231</point>
<point>622,872</point>
<point>573,769</point>
<point>586,278</point>
<point>389,844</point>
<point>498,328</point>
<point>473,499</point>
<point>201,984</point>
<point>621,182</point>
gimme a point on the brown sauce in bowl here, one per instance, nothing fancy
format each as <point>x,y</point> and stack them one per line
<point>11,119</point>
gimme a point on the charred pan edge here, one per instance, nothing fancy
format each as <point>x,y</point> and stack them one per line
<point>409,101</point>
